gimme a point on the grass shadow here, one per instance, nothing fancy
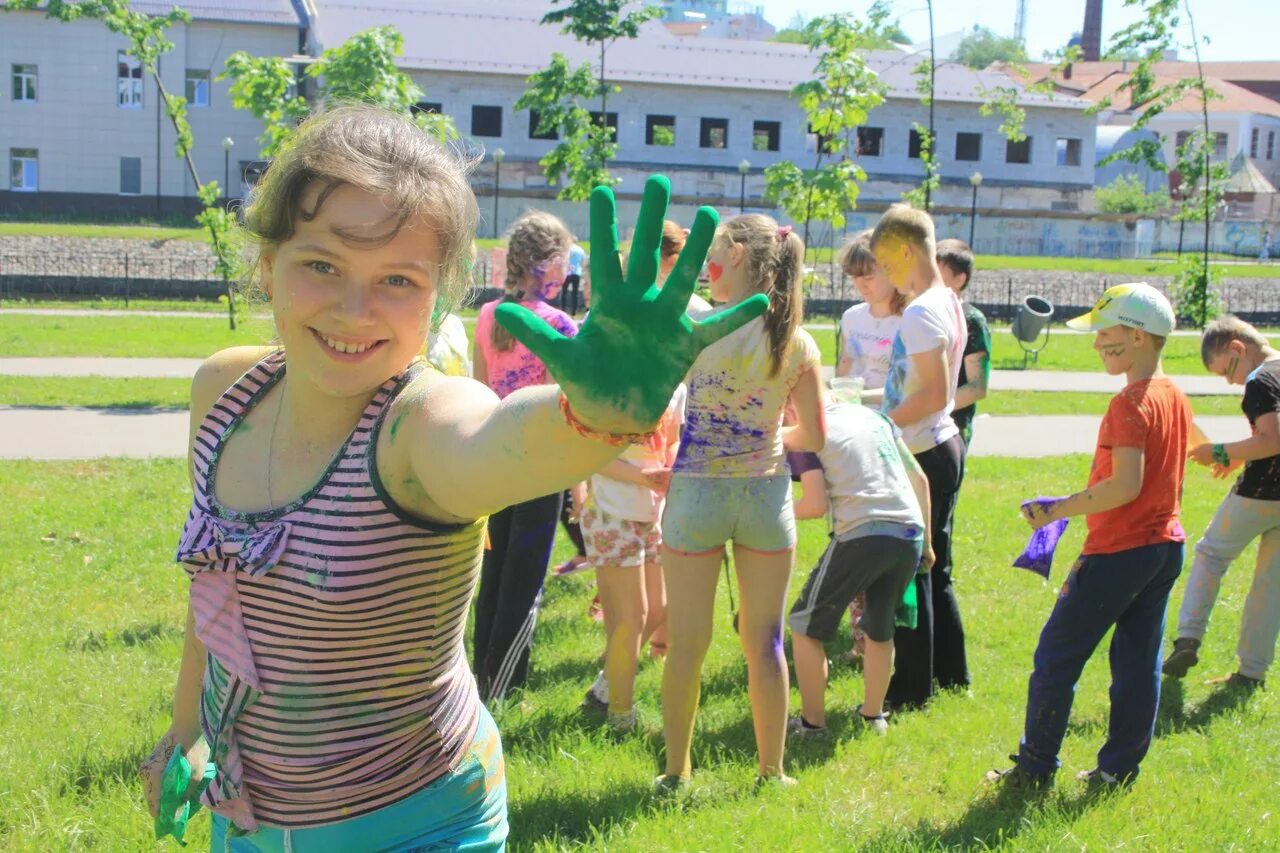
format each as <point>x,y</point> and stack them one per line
<point>94,772</point>
<point>1173,716</point>
<point>566,818</point>
<point>138,635</point>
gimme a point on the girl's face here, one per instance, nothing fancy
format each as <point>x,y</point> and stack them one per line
<point>352,316</point>
<point>724,267</point>
<point>874,287</point>
<point>548,277</point>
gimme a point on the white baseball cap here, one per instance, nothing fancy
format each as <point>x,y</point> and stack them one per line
<point>1137,305</point>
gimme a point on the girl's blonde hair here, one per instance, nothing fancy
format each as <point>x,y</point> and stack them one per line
<point>384,154</point>
<point>535,238</point>
<point>856,259</point>
<point>775,267</point>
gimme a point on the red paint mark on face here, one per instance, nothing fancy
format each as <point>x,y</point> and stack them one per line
<point>714,270</point>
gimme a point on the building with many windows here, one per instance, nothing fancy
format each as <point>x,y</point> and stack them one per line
<point>82,131</point>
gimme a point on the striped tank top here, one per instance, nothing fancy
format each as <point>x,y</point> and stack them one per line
<point>336,681</point>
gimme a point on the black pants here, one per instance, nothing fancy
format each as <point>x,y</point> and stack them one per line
<point>935,647</point>
<point>570,294</point>
<point>511,577</point>
<point>572,528</point>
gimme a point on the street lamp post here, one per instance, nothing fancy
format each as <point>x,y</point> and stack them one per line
<point>1178,193</point>
<point>975,181</point>
<point>227,144</point>
<point>498,155</point>
<point>743,168</point>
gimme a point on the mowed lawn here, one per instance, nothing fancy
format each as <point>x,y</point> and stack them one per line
<point>90,641</point>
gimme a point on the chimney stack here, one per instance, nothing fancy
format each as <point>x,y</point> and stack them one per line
<point>1091,38</point>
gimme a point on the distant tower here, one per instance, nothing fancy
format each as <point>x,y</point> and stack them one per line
<point>1020,23</point>
<point>1091,38</point>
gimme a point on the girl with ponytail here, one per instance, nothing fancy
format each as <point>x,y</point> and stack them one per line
<point>731,482</point>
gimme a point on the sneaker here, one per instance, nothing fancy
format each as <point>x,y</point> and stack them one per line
<point>571,566</point>
<point>1017,777</point>
<point>622,723</point>
<point>878,724</point>
<point>1097,778</point>
<point>800,728</point>
<point>597,699</point>
<point>1241,681</point>
<point>781,780</point>
<point>667,784</point>
<point>1185,655</point>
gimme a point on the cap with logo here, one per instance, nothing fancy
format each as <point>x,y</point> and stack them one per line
<point>1137,305</point>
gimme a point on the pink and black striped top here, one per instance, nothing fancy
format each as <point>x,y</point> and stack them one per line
<point>336,682</point>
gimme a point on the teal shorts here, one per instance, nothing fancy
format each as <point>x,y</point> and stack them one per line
<point>703,513</point>
<point>462,810</point>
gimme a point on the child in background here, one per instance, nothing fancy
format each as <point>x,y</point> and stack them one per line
<point>624,544</point>
<point>1240,354</point>
<point>730,482</point>
<point>879,500</point>
<point>1132,554</point>
<point>340,490</point>
<point>673,239</point>
<point>924,372</point>
<point>520,536</point>
<point>956,263</point>
<point>867,329</point>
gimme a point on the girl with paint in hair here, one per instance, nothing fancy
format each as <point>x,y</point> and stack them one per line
<point>730,483</point>
<point>520,536</point>
<point>341,486</point>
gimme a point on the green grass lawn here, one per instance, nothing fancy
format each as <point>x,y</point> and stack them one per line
<point>134,337</point>
<point>193,306</point>
<point>95,391</point>
<point>1078,403</point>
<point>89,667</point>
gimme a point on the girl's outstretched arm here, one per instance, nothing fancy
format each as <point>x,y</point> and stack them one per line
<point>473,455</point>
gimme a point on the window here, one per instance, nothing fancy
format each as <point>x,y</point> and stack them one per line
<point>870,141</point>
<point>427,107</point>
<point>915,144</point>
<point>814,141</point>
<point>1219,143</point>
<point>1254,139</point>
<point>660,130</point>
<point>197,87</point>
<point>1017,152</point>
<point>128,81</point>
<point>130,176</point>
<point>969,147</point>
<point>24,170</point>
<point>535,118</point>
<point>766,135</point>
<point>486,121</point>
<point>1271,144</point>
<point>714,133</point>
<point>24,83</point>
<point>611,119</point>
<point>1068,151</point>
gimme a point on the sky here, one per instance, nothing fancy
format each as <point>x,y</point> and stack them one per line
<point>1237,29</point>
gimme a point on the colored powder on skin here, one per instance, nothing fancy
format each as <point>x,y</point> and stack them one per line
<point>395,425</point>
<point>1231,367</point>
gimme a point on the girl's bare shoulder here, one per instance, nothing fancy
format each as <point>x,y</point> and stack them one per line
<point>220,371</point>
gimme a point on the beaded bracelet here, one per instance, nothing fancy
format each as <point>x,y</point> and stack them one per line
<point>1220,455</point>
<point>615,439</point>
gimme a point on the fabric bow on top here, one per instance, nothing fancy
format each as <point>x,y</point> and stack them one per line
<point>1038,556</point>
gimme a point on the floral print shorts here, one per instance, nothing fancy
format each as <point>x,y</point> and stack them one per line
<point>614,541</point>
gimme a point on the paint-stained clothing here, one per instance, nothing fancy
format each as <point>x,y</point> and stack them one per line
<point>868,343</point>
<point>977,340</point>
<point>1154,416</point>
<point>1261,477</point>
<point>933,321</point>
<point>336,682</point>
<point>734,412</point>
<point>515,368</point>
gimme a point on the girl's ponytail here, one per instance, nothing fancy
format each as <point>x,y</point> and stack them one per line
<point>786,296</point>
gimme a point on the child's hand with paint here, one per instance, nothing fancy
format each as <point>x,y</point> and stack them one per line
<point>1039,513</point>
<point>637,343</point>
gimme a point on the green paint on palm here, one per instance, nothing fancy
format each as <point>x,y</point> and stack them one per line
<point>637,343</point>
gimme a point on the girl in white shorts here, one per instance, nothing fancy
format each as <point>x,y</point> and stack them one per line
<point>730,482</point>
<point>624,543</point>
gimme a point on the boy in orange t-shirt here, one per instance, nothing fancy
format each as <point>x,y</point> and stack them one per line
<point>1131,556</point>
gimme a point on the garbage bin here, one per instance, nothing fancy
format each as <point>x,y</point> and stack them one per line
<point>1033,316</point>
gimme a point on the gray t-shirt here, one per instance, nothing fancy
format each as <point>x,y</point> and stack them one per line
<point>867,484</point>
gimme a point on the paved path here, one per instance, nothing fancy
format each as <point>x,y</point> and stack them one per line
<point>71,433</point>
<point>185,368</point>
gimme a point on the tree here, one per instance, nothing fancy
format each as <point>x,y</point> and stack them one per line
<point>600,23</point>
<point>982,47</point>
<point>925,72</point>
<point>1126,194</point>
<point>890,38</point>
<point>148,41</point>
<point>557,94</point>
<point>361,69</point>
<point>1202,180</point>
<point>835,102</point>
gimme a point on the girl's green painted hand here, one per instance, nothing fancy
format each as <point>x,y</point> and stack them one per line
<point>637,343</point>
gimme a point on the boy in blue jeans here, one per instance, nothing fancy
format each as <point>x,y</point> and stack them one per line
<point>1131,556</point>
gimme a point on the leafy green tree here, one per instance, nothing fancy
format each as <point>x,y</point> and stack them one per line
<point>982,47</point>
<point>890,38</point>
<point>558,95</point>
<point>836,101</point>
<point>925,72</point>
<point>148,41</point>
<point>1126,194</point>
<point>361,69</point>
<point>1203,181</point>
